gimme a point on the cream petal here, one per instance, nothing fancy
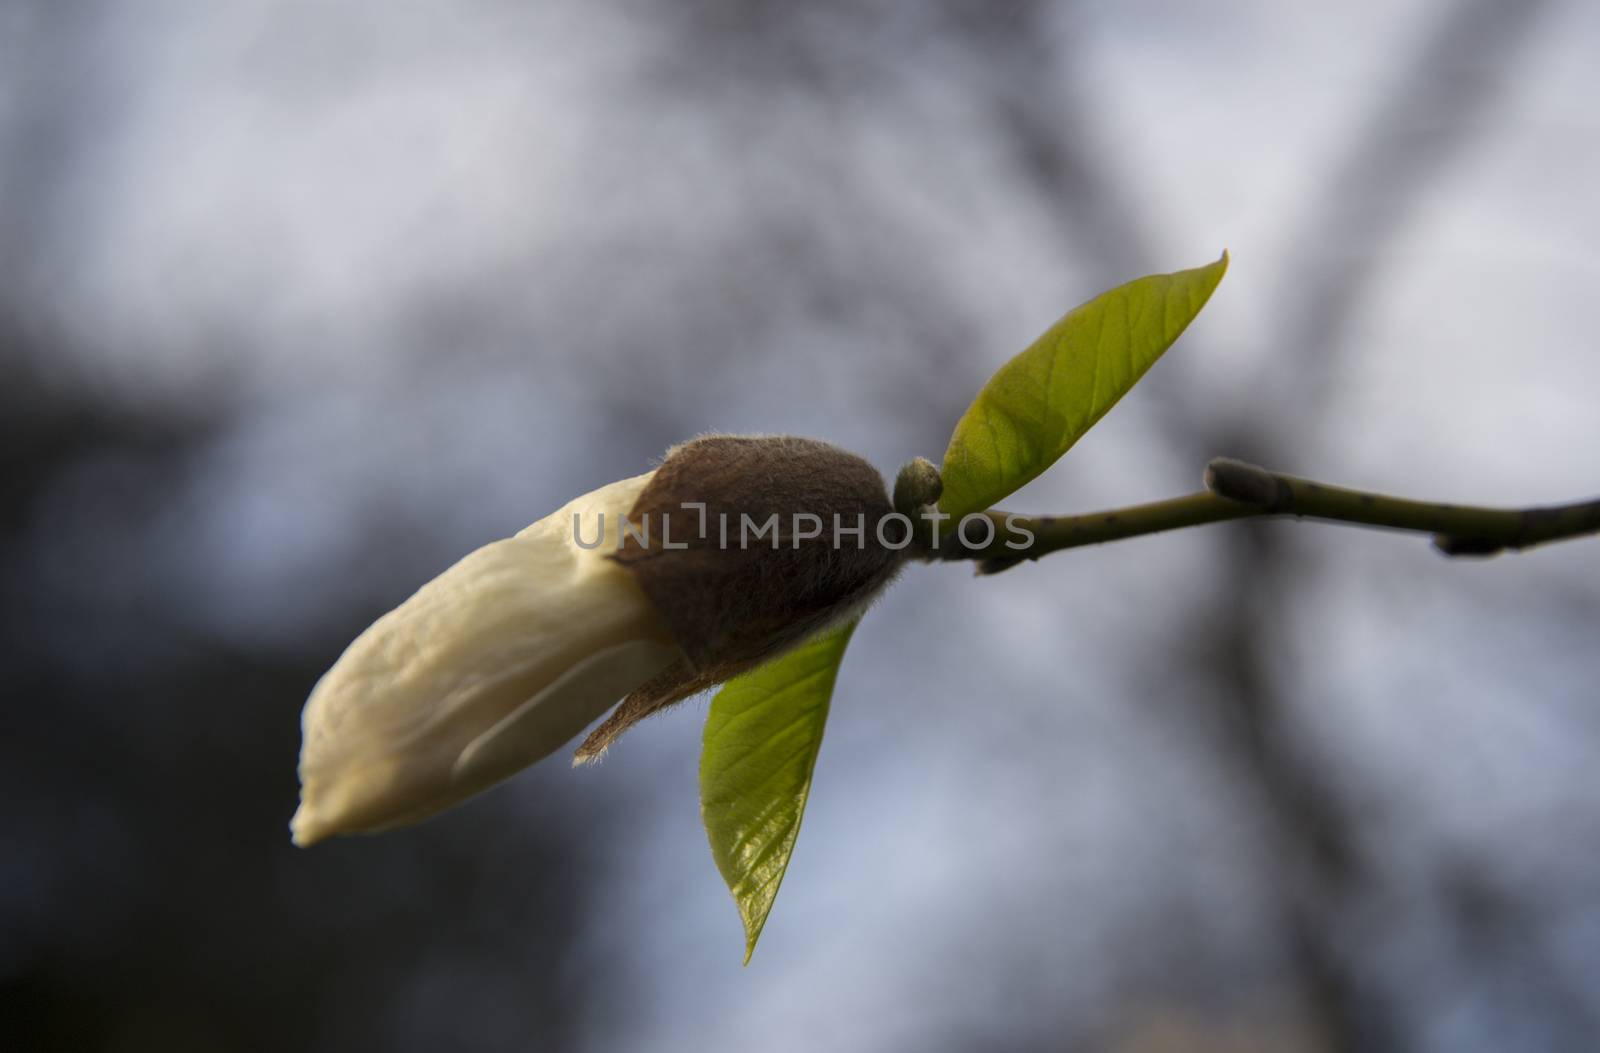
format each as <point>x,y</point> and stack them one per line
<point>484,670</point>
<point>554,716</point>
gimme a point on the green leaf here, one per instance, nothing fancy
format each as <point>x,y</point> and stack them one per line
<point>1039,403</point>
<point>761,742</point>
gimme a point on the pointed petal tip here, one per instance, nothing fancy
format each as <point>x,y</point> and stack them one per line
<point>304,830</point>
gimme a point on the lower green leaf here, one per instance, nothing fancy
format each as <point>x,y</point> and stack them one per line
<point>761,742</point>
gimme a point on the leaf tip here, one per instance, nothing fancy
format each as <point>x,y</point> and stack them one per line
<point>754,923</point>
<point>1218,267</point>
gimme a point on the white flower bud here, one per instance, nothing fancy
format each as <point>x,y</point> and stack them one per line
<point>510,653</point>
<point>489,667</point>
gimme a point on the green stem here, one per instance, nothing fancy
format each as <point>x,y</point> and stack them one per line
<point>1054,533</point>
<point>1235,490</point>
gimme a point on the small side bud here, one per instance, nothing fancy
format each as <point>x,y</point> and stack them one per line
<point>1238,481</point>
<point>916,487</point>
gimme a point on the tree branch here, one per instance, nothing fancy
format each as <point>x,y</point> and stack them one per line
<point>1236,490</point>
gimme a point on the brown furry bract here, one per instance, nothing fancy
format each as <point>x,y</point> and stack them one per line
<point>732,606</point>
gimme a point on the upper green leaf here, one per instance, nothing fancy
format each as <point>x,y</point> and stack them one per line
<point>1040,402</point>
<point>761,742</point>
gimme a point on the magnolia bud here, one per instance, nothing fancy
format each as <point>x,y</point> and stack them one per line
<point>654,588</point>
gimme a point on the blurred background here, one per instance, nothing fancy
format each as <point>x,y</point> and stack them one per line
<point>301,302</point>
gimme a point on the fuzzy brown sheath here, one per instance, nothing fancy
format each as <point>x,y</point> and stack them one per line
<point>730,607</point>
